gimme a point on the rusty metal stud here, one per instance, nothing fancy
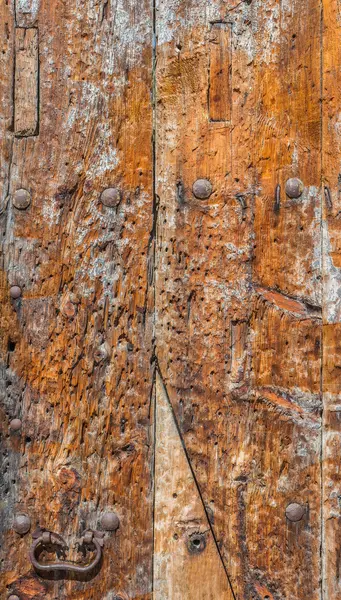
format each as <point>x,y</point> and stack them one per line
<point>69,309</point>
<point>202,189</point>
<point>22,524</point>
<point>294,511</point>
<point>294,187</point>
<point>15,292</point>
<point>102,353</point>
<point>110,521</point>
<point>21,199</point>
<point>111,197</point>
<point>15,425</point>
<point>196,543</point>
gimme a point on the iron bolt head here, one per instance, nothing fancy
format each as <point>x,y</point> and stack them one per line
<point>294,187</point>
<point>22,524</point>
<point>15,292</point>
<point>15,425</point>
<point>69,309</point>
<point>294,511</point>
<point>21,199</point>
<point>202,189</point>
<point>111,197</point>
<point>110,521</point>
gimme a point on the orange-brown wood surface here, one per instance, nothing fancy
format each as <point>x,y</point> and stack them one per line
<point>170,308</point>
<point>76,347</point>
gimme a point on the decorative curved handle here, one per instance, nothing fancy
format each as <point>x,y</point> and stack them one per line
<point>48,538</point>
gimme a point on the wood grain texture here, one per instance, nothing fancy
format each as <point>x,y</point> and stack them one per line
<point>235,298</point>
<point>238,285</point>
<point>220,68</point>
<point>26,84</point>
<point>186,560</point>
<point>331,300</point>
<point>76,347</point>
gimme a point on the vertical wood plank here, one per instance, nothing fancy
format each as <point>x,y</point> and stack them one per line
<point>26,93</point>
<point>238,327</point>
<point>76,346</point>
<point>186,559</point>
<point>286,339</point>
<point>331,300</point>
<point>220,69</point>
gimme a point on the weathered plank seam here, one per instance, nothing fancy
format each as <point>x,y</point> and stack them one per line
<point>322,556</point>
<point>194,478</point>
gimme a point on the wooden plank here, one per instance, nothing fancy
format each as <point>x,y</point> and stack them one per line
<point>331,174</point>
<point>26,93</point>
<point>6,113</point>
<point>242,371</point>
<point>77,345</point>
<point>286,347</point>
<point>219,87</point>
<point>186,559</point>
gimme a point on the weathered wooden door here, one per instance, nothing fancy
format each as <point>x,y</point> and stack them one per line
<point>170,299</point>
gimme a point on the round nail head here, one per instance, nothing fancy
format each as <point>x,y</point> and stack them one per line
<point>22,524</point>
<point>13,597</point>
<point>69,309</point>
<point>294,512</point>
<point>294,187</point>
<point>110,521</point>
<point>15,425</point>
<point>21,199</point>
<point>202,189</point>
<point>111,197</point>
<point>15,292</point>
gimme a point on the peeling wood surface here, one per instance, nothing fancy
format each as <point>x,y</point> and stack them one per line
<point>238,283</point>
<point>76,347</point>
<point>171,357</point>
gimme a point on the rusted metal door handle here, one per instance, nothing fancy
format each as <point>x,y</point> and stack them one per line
<point>48,538</point>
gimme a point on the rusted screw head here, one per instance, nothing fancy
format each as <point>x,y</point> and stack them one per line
<point>294,511</point>
<point>15,292</point>
<point>202,189</point>
<point>15,425</point>
<point>21,199</point>
<point>22,524</point>
<point>69,309</point>
<point>110,521</point>
<point>13,597</point>
<point>196,543</point>
<point>111,197</point>
<point>294,188</point>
